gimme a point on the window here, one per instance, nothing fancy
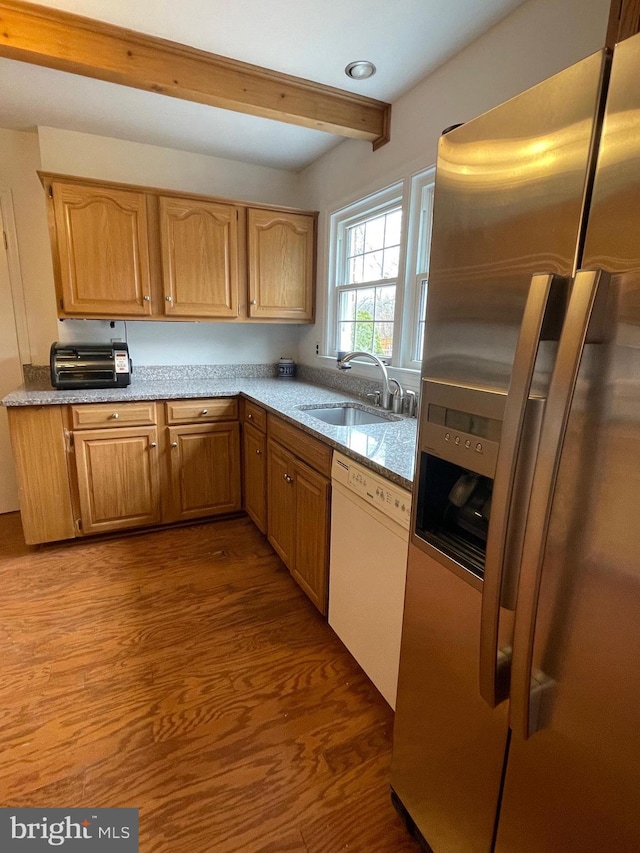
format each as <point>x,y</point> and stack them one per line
<point>366,276</point>
<point>421,215</point>
<point>379,258</point>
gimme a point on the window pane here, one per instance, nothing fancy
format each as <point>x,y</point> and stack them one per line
<point>373,266</point>
<point>363,335</point>
<point>355,240</point>
<point>355,271</point>
<point>374,234</point>
<point>366,297</point>
<point>383,339</point>
<point>392,229</point>
<point>422,310</point>
<point>347,305</point>
<point>346,332</point>
<point>391,259</point>
<point>385,303</point>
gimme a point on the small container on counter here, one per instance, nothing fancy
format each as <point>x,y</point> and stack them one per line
<point>286,368</point>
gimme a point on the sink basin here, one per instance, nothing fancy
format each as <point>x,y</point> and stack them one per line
<point>347,414</point>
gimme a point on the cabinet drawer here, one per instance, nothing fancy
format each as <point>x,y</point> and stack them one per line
<point>255,415</point>
<point>202,411</point>
<point>315,453</point>
<point>91,415</point>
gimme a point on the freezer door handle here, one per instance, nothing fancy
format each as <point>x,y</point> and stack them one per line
<point>542,319</point>
<point>584,323</point>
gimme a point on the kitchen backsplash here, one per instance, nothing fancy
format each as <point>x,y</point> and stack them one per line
<point>36,377</point>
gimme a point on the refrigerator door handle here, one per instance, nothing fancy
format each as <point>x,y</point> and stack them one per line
<point>542,319</point>
<point>584,324</point>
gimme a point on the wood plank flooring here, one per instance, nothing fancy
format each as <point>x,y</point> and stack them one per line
<point>184,673</point>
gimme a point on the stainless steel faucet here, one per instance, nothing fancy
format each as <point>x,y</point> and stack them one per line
<point>386,398</point>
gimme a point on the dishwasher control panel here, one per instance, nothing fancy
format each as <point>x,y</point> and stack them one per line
<point>392,500</point>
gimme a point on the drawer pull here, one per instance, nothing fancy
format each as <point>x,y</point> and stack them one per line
<point>288,478</point>
<point>204,412</point>
<point>115,416</point>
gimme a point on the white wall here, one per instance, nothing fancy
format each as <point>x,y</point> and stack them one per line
<point>19,162</point>
<point>538,39</point>
<point>104,158</point>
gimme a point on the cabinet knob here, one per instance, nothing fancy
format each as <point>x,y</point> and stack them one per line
<point>147,298</point>
<point>250,416</point>
<point>258,453</point>
<point>153,444</point>
<point>254,301</point>
<point>174,444</point>
<point>288,478</point>
<point>115,416</point>
<point>169,298</point>
<point>204,412</point>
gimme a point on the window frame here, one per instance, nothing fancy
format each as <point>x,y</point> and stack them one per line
<point>414,195</point>
<point>420,220</point>
<point>376,204</point>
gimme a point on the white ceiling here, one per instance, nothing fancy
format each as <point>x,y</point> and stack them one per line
<point>314,39</point>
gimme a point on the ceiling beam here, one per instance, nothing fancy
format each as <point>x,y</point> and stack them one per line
<point>66,42</point>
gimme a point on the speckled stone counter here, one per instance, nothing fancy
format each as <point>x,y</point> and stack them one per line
<point>388,448</point>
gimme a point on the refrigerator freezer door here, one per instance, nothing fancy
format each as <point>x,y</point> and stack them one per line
<point>573,785</point>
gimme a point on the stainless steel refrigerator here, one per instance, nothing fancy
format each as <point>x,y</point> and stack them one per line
<point>518,714</point>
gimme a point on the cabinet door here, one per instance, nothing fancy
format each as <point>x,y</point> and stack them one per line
<point>281,249</point>
<point>311,567</point>
<point>118,478</point>
<point>205,469</point>
<point>199,258</point>
<point>281,503</point>
<point>255,476</point>
<point>102,248</point>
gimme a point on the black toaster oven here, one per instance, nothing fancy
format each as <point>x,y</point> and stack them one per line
<point>90,365</point>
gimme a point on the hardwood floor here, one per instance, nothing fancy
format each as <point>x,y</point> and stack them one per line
<point>184,673</point>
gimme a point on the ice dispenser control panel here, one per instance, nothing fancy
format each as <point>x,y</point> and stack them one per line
<point>463,425</point>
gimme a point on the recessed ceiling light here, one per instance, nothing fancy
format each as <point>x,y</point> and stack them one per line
<point>360,70</point>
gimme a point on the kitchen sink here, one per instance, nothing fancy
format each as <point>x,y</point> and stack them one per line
<point>348,414</point>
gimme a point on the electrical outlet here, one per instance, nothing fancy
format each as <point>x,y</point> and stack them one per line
<point>317,349</point>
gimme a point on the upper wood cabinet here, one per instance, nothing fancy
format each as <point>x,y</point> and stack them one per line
<point>101,250</point>
<point>281,252</point>
<point>123,251</point>
<point>199,242</point>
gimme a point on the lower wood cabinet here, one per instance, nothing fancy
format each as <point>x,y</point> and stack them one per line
<point>299,506</point>
<point>255,475</point>
<point>97,468</point>
<point>204,462</point>
<point>118,476</point>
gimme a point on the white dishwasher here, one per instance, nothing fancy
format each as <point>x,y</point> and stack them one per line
<point>367,571</point>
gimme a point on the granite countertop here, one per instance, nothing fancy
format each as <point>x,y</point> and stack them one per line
<point>387,448</point>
